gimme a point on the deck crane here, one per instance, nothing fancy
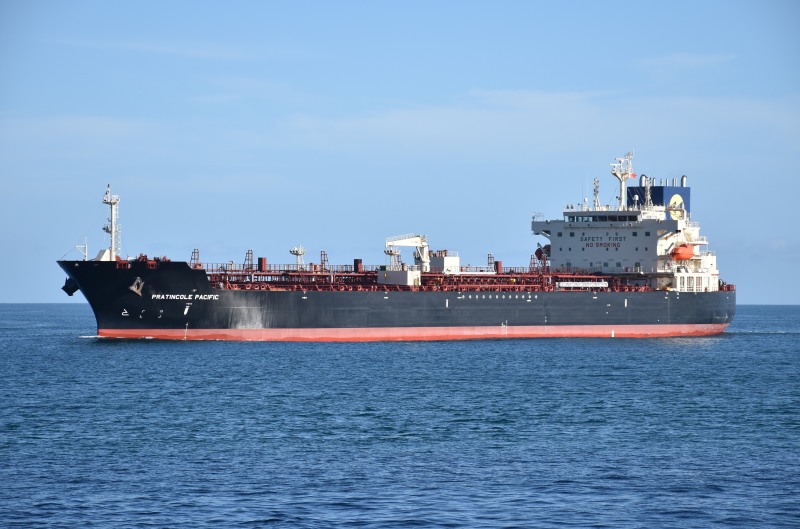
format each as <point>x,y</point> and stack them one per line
<point>420,242</point>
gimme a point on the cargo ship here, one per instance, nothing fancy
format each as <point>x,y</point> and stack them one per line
<point>637,268</point>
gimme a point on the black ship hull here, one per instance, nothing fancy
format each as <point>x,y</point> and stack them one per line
<point>174,301</point>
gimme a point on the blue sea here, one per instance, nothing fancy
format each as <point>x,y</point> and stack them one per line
<point>683,433</point>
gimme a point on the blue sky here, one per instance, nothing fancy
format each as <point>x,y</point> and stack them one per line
<point>237,125</point>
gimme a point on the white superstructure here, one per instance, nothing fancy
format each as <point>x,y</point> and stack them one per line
<point>649,234</point>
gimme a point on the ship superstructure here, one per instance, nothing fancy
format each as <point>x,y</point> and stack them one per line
<point>636,269</point>
<point>648,235</point>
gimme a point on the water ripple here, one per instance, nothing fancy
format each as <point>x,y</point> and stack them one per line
<point>496,434</point>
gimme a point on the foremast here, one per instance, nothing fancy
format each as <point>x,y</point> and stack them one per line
<point>112,228</point>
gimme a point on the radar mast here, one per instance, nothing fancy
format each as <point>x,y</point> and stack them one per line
<point>623,170</point>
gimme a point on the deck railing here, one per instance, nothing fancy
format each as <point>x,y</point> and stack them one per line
<point>275,269</point>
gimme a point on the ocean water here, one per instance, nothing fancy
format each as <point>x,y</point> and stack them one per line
<point>684,433</point>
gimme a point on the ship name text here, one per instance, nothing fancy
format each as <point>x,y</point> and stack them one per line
<point>186,297</point>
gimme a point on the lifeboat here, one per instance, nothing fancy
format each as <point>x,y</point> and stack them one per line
<point>684,252</point>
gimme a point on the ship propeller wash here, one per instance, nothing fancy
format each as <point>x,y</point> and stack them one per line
<point>638,268</point>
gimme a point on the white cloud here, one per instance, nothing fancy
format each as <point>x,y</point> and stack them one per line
<point>192,50</point>
<point>234,89</point>
<point>683,66</point>
<point>508,125</point>
<point>687,61</point>
<point>31,142</point>
<point>98,128</point>
<point>479,124</point>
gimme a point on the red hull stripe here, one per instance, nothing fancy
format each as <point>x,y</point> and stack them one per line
<point>420,333</point>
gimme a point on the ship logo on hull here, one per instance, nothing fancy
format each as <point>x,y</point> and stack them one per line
<point>136,287</point>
